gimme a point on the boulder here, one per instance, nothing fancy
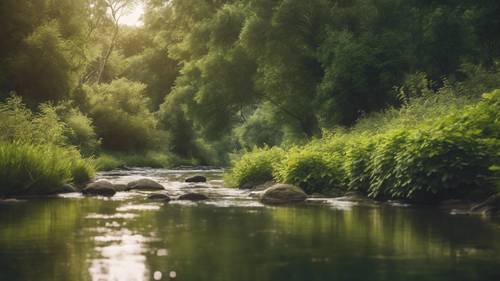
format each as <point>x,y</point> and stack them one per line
<point>104,188</point>
<point>196,179</point>
<point>193,197</point>
<point>144,184</point>
<point>159,197</point>
<point>489,207</point>
<point>283,194</point>
<point>120,187</point>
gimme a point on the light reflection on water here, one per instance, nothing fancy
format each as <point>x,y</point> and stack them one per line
<point>231,237</point>
<point>121,257</point>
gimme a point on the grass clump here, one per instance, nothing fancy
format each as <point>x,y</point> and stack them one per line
<point>31,169</point>
<point>35,156</point>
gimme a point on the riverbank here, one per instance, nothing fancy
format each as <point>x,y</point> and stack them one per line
<point>432,150</point>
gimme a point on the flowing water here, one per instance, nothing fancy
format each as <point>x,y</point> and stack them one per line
<point>233,237</point>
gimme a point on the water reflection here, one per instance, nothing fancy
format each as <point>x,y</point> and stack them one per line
<point>230,238</point>
<point>120,252</point>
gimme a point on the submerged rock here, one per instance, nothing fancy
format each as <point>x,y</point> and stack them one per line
<point>490,207</point>
<point>193,197</point>
<point>104,188</point>
<point>196,179</point>
<point>283,194</point>
<point>144,184</point>
<point>159,197</point>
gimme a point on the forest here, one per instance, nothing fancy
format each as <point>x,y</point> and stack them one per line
<point>395,98</point>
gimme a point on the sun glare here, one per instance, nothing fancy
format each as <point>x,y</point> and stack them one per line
<point>134,16</point>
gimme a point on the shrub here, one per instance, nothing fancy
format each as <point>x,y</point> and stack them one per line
<point>29,169</point>
<point>413,154</point>
<point>312,170</point>
<point>254,167</point>
<point>80,131</point>
<point>121,115</point>
<point>21,125</point>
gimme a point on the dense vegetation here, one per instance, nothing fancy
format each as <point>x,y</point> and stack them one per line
<point>351,90</point>
<point>449,151</point>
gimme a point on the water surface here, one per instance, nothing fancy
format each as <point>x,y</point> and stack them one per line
<point>233,237</point>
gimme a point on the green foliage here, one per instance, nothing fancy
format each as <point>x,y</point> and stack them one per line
<point>32,169</point>
<point>41,71</point>
<point>255,167</point>
<point>22,125</point>
<point>416,153</point>
<point>260,129</point>
<point>121,116</point>
<point>80,131</point>
<point>310,169</point>
<point>110,161</point>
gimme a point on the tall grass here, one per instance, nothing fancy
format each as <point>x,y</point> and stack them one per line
<point>434,148</point>
<point>29,169</point>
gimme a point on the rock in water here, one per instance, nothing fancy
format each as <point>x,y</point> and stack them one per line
<point>283,194</point>
<point>104,188</point>
<point>159,197</point>
<point>193,197</point>
<point>144,184</point>
<point>196,179</point>
<point>120,187</point>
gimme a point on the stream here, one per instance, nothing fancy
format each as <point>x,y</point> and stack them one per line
<point>233,237</point>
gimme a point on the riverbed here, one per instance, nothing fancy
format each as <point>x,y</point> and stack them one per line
<point>233,237</point>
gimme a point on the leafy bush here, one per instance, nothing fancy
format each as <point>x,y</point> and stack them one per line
<point>21,125</point>
<point>254,167</point>
<point>310,169</point>
<point>412,154</point>
<point>121,116</point>
<point>80,131</point>
<point>28,169</point>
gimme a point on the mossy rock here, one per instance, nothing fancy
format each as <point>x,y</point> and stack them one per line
<point>196,179</point>
<point>102,188</point>
<point>193,197</point>
<point>144,184</point>
<point>159,197</point>
<point>283,194</point>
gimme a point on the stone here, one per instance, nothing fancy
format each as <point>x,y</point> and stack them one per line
<point>193,197</point>
<point>196,179</point>
<point>103,188</point>
<point>283,194</point>
<point>144,184</point>
<point>159,197</point>
<point>120,187</point>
